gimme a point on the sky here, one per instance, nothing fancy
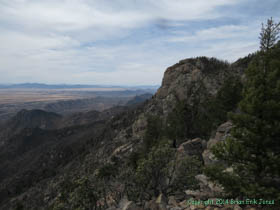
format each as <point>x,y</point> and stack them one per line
<point>122,42</point>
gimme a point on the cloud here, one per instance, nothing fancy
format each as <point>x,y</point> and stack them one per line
<point>116,42</point>
<point>22,43</point>
<point>69,15</point>
<point>215,33</point>
<point>228,42</point>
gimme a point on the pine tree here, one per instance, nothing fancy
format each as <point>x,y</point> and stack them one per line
<point>269,34</point>
<point>253,150</point>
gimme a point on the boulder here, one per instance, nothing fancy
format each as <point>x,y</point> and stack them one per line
<point>184,204</point>
<point>172,201</point>
<point>131,206</point>
<point>192,147</point>
<point>158,204</point>
<point>175,208</point>
<point>112,208</point>
<point>161,199</point>
<point>207,189</point>
<point>125,204</point>
<point>197,194</point>
<point>206,185</point>
<point>179,196</point>
<point>237,207</point>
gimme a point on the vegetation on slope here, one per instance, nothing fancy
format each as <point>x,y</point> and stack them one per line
<point>253,150</point>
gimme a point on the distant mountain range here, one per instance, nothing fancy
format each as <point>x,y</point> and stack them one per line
<point>66,86</point>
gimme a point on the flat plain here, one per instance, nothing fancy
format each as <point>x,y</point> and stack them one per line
<point>62,101</point>
<point>8,96</point>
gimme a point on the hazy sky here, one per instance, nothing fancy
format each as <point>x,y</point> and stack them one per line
<point>122,42</point>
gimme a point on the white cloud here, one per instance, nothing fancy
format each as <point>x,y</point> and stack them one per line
<point>230,51</point>
<point>190,10</point>
<point>22,43</point>
<point>215,33</point>
<point>70,15</point>
<point>69,41</point>
<point>228,42</point>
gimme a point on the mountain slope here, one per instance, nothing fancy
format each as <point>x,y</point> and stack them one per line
<point>28,119</point>
<point>139,99</point>
<point>79,150</point>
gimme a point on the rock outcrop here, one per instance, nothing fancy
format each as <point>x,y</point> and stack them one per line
<point>192,147</point>
<point>222,133</point>
<point>190,77</point>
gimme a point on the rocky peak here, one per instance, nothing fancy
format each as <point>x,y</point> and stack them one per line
<point>179,78</point>
<point>189,80</point>
<point>192,78</point>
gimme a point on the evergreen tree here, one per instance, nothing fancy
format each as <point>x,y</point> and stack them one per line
<point>269,34</point>
<point>253,150</point>
<point>152,171</point>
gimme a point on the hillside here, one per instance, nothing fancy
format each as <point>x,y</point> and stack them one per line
<point>110,138</point>
<point>27,119</point>
<point>104,160</point>
<point>138,99</point>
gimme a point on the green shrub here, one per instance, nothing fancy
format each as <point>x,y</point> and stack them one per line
<point>153,132</point>
<point>149,177</point>
<point>106,171</point>
<point>79,194</point>
<point>186,170</point>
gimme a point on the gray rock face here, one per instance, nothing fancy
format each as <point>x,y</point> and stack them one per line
<point>139,126</point>
<point>188,78</point>
<point>222,133</point>
<point>192,147</point>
